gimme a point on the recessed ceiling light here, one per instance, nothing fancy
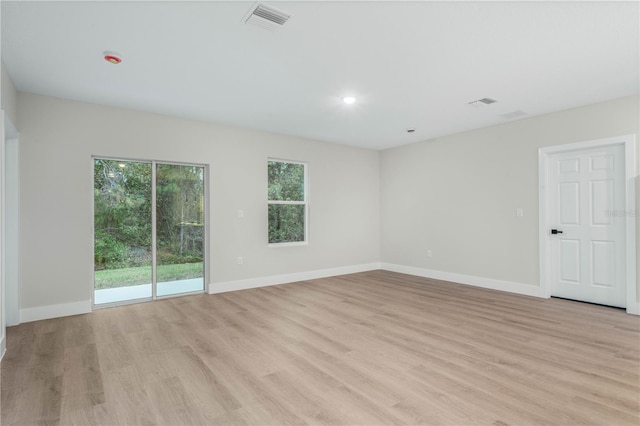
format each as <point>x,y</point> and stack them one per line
<point>348,100</point>
<point>112,58</point>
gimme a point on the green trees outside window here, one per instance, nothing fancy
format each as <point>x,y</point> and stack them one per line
<point>287,199</point>
<point>179,218</point>
<point>122,214</point>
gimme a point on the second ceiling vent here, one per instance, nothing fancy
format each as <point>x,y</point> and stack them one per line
<point>267,17</point>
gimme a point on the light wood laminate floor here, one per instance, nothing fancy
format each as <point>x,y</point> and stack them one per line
<point>369,348</point>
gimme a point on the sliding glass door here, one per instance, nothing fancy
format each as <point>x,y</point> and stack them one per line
<point>179,229</point>
<point>122,230</point>
<point>149,237</point>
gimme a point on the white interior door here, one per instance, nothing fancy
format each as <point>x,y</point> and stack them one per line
<point>587,225</point>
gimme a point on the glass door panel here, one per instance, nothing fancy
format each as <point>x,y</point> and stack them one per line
<point>122,231</point>
<point>179,229</point>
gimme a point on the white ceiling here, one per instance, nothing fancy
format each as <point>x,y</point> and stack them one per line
<point>410,64</point>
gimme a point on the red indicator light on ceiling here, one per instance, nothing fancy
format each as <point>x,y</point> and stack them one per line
<point>112,58</point>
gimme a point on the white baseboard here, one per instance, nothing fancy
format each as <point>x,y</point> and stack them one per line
<point>3,347</point>
<point>55,311</point>
<point>633,308</point>
<point>511,287</point>
<point>84,307</point>
<point>225,286</point>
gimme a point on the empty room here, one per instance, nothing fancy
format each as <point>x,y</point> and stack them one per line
<point>320,212</point>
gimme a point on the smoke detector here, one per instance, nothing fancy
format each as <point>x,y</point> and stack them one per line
<point>267,17</point>
<point>112,57</point>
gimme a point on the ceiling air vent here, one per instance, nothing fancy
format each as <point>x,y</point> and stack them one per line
<point>514,114</point>
<point>482,102</point>
<point>267,17</point>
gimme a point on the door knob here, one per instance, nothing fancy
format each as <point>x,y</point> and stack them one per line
<point>556,231</point>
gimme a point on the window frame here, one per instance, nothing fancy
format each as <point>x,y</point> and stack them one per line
<point>305,203</point>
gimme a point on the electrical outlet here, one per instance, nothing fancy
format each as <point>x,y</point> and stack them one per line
<point>240,260</point>
<point>429,254</point>
<point>519,212</point>
<point>240,213</point>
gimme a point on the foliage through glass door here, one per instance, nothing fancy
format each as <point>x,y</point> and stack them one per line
<point>180,228</point>
<point>124,234</point>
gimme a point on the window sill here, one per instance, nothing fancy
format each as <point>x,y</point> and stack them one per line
<point>294,244</point>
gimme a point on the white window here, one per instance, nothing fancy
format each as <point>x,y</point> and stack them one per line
<point>287,198</point>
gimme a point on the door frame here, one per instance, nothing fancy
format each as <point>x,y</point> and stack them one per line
<point>9,260</point>
<point>544,154</point>
<point>206,230</point>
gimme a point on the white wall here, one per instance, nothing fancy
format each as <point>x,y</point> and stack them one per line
<point>11,235</point>
<point>9,94</point>
<point>8,115</point>
<point>457,195</point>
<point>3,327</point>
<point>58,138</point>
